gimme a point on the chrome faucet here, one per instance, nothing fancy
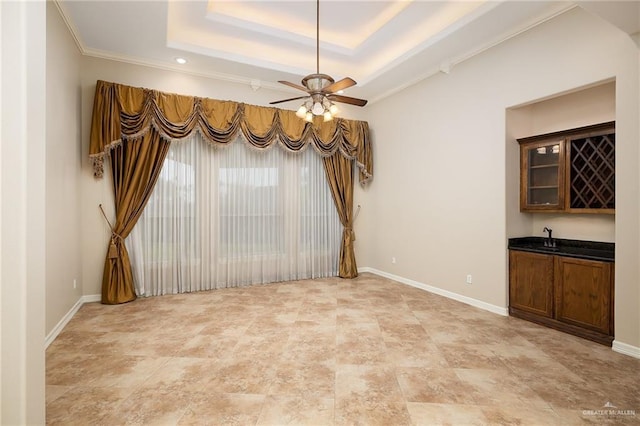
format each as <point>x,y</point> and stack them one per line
<point>549,241</point>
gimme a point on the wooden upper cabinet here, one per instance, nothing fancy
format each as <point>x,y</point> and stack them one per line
<point>542,169</point>
<point>572,171</point>
<point>591,172</point>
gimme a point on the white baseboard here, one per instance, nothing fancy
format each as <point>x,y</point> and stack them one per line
<point>63,322</point>
<point>626,349</point>
<point>90,298</point>
<point>448,294</point>
<point>617,346</point>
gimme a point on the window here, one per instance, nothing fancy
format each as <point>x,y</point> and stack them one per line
<point>231,216</point>
<point>243,219</point>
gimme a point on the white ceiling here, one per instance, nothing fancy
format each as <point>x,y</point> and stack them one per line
<point>384,45</point>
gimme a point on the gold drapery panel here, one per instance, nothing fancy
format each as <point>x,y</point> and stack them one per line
<point>339,172</point>
<point>135,167</point>
<point>125,113</point>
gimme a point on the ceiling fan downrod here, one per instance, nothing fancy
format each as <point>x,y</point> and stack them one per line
<point>322,90</point>
<point>317,36</point>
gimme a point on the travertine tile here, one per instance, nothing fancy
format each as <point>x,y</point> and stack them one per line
<point>504,414</point>
<point>361,350</point>
<point>369,395</point>
<point>157,405</point>
<point>415,353</point>
<point>562,392</point>
<point>208,346</point>
<point>126,371</point>
<point>82,405</point>
<point>310,350</point>
<point>437,385</point>
<point>433,414</point>
<point>367,351</point>
<point>268,345</point>
<point>69,368</point>
<point>471,356</point>
<point>222,409</point>
<point>399,331</point>
<point>183,373</point>
<point>500,387</point>
<point>245,375</point>
<point>296,410</point>
<point>53,392</point>
<point>230,327</point>
<point>304,378</point>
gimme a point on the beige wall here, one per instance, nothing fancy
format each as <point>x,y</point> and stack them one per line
<point>22,212</point>
<point>63,235</point>
<point>627,287</point>
<point>443,189</point>
<point>590,105</point>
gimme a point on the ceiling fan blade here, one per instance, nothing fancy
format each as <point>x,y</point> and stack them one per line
<point>295,86</point>
<point>339,85</point>
<point>347,100</point>
<point>287,100</point>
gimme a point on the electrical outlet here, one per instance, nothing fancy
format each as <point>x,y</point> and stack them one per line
<point>75,283</point>
<point>393,260</point>
<point>469,279</point>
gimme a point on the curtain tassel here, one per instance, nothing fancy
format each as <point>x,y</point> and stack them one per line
<point>113,248</point>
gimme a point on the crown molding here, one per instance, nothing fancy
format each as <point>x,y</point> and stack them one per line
<point>425,74</point>
<point>72,29</point>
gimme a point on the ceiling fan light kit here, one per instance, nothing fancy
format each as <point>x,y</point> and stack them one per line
<point>322,89</point>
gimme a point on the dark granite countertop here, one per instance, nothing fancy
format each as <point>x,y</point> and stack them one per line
<point>592,250</point>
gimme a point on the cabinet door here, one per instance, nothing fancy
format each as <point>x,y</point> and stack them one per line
<point>591,173</point>
<point>584,293</point>
<point>542,173</point>
<point>531,282</point>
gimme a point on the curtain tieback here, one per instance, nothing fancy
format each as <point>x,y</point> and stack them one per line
<point>113,248</point>
<point>349,229</point>
<point>349,233</point>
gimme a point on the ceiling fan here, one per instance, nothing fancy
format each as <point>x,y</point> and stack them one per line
<point>321,88</point>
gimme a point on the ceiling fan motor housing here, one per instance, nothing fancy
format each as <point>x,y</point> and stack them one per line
<point>317,82</point>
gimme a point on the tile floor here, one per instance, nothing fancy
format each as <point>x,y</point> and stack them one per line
<point>368,351</point>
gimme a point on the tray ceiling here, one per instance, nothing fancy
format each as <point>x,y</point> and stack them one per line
<point>384,45</point>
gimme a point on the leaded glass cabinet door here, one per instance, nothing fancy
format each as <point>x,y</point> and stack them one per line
<point>542,175</point>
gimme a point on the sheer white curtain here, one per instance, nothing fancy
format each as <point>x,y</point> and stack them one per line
<point>233,216</point>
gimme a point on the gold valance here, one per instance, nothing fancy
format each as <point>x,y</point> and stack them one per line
<point>126,113</point>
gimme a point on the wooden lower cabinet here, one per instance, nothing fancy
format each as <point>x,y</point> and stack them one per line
<point>584,293</point>
<point>568,294</point>
<point>531,282</point>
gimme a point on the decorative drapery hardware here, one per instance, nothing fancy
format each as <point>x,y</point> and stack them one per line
<point>355,216</point>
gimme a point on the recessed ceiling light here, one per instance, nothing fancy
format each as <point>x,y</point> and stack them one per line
<point>181,61</point>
